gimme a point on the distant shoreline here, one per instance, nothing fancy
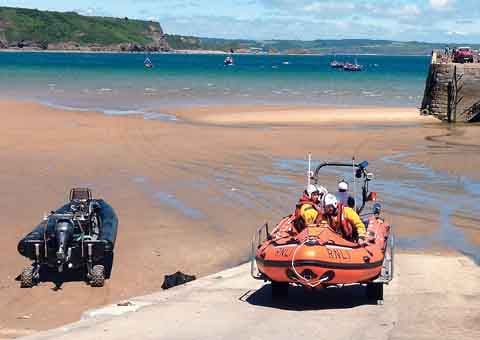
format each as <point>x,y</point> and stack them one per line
<point>208,52</point>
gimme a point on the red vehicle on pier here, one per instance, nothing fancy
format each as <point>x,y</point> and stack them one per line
<point>463,55</point>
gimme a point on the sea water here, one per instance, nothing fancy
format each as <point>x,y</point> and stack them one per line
<point>119,83</point>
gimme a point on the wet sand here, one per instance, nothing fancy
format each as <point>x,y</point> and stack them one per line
<point>189,194</point>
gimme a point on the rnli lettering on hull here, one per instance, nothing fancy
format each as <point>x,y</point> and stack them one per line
<point>339,254</point>
<point>283,252</point>
<point>335,253</point>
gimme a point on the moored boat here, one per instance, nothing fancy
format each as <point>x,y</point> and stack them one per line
<point>355,67</point>
<point>147,63</point>
<point>228,61</point>
<point>336,64</point>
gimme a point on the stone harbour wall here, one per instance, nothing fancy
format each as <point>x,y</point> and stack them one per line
<point>464,92</point>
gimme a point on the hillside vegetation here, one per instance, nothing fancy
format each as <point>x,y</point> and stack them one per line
<point>342,46</point>
<point>21,27</point>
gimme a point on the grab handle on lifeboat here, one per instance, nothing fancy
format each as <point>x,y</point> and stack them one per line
<point>256,242</point>
<point>308,282</point>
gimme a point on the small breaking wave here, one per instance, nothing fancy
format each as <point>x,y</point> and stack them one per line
<point>160,116</point>
<point>146,115</point>
<point>104,89</point>
<point>371,94</point>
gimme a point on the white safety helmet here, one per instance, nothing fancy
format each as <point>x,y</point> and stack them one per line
<point>310,190</point>
<point>342,186</point>
<point>330,199</point>
<point>322,190</point>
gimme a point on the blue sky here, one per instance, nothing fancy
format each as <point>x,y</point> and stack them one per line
<point>422,20</point>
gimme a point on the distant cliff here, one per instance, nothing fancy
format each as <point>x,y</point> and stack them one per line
<point>320,46</point>
<point>33,29</point>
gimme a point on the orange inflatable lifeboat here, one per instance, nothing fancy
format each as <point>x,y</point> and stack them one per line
<point>318,256</point>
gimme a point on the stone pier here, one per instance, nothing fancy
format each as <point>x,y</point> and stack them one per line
<point>452,90</point>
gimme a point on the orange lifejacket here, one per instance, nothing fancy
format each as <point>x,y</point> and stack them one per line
<point>340,224</point>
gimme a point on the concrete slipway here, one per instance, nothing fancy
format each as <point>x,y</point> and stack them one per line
<point>431,297</point>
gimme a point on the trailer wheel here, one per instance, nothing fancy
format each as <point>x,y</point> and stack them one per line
<point>27,279</point>
<point>375,292</point>
<point>97,276</point>
<point>279,290</point>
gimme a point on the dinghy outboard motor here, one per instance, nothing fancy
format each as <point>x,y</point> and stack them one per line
<point>63,235</point>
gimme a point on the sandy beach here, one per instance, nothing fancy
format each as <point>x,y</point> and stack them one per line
<point>301,116</point>
<point>190,193</point>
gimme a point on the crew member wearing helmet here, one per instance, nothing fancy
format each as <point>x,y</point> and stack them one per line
<point>343,219</point>
<point>322,192</point>
<point>342,194</point>
<point>308,210</point>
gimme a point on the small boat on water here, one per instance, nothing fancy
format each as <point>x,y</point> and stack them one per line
<point>317,256</point>
<point>148,63</point>
<point>355,67</point>
<point>336,64</point>
<point>228,61</point>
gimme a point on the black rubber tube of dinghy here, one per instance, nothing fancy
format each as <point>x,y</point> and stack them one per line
<point>109,223</point>
<point>108,227</point>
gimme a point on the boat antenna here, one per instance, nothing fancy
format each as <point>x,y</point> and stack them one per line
<point>309,174</point>
<point>354,184</point>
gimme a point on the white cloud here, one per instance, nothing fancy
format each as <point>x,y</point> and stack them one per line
<point>457,33</point>
<point>408,11</point>
<point>441,4</point>
<point>318,6</point>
